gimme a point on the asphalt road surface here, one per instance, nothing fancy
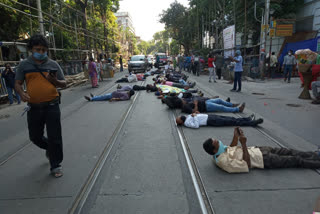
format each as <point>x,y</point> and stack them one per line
<point>129,157</point>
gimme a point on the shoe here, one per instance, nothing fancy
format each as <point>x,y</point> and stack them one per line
<point>257,122</point>
<point>87,98</point>
<point>241,108</point>
<point>209,80</point>
<point>118,86</point>
<point>91,95</point>
<point>228,99</point>
<point>235,105</point>
<point>238,90</point>
<point>215,81</point>
<point>252,117</point>
<point>288,81</point>
<point>233,90</point>
<point>285,79</point>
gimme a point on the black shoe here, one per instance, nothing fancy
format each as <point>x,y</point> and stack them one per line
<point>238,90</point>
<point>87,98</point>
<point>209,80</point>
<point>228,99</point>
<point>233,90</point>
<point>91,95</point>
<point>257,122</point>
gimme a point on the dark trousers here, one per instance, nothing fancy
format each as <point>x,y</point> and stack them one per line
<point>124,79</point>
<point>237,80</point>
<point>289,158</point>
<point>138,88</point>
<point>288,69</point>
<point>49,116</point>
<point>218,73</point>
<point>217,120</point>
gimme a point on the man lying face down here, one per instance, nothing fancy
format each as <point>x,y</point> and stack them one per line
<point>195,120</point>
<point>118,95</point>
<point>236,159</point>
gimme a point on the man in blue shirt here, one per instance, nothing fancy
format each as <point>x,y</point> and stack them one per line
<point>237,71</point>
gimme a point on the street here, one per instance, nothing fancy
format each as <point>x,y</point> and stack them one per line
<point>130,157</point>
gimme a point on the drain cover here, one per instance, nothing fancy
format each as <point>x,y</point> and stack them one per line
<point>293,105</point>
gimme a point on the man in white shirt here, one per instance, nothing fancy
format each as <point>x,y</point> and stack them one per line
<point>195,120</point>
<point>236,159</point>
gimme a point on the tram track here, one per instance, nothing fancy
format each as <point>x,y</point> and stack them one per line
<point>10,155</point>
<point>84,193</point>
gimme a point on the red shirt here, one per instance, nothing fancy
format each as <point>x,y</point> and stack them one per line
<point>210,62</point>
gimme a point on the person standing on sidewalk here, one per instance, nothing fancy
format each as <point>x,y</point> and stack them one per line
<point>99,70</point>
<point>288,63</point>
<point>237,71</point>
<point>219,60</point>
<point>212,68</point>
<point>8,75</point>
<point>121,63</point>
<point>93,73</point>
<point>42,76</point>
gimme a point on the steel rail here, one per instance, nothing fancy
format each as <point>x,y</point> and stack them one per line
<point>201,193</point>
<point>86,189</point>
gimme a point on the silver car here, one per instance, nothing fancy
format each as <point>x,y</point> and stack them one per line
<point>137,64</point>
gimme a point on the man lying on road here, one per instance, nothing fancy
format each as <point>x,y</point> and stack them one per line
<point>211,105</point>
<point>118,95</point>
<point>235,159</point>
<point>195,120</point>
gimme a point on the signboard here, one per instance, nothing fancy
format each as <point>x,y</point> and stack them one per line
<point>272,32</point>
<point>228,40</point>
<point>284,30</point>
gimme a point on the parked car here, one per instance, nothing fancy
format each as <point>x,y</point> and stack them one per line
<point>137,64</point>
<point>163,59</point>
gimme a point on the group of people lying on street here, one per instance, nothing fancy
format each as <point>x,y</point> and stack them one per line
<point>174,91</point>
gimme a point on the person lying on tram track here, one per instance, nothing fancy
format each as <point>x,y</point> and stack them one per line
<point>129,87</point>
<point>118,95</point>
<point>195,120</point>
<point>237,159</point>
<point>211,105</point>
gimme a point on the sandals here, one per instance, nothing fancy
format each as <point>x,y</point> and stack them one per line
<point>57,172</point>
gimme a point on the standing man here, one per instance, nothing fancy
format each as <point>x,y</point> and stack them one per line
<point>219,60</point>
<point>8,75</point>
<point>211,67</point>
<point>121,64</point>
<point>146,63</point>
<point>288,63</point>
<point>180,61</point>
<point>237,71</point>
<point>273,63</point>
<point>43,76</point>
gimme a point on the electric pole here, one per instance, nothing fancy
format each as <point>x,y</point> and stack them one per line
<point>266,22</point>
<point>40,17</point>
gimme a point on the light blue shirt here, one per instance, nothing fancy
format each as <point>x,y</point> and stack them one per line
<point>238,65</point>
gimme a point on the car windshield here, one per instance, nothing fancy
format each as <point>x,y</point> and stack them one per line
<point>137,58</point>
<point>162,56</point>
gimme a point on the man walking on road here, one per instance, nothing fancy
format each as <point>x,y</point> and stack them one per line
<point>212,68</point>
<point>43,76</point>
<point>235,159</point>
<point>288,63</point>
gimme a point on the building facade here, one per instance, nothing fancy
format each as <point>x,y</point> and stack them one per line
<point>125,21</point>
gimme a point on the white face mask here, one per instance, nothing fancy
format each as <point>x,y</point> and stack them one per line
<point>289,54</point>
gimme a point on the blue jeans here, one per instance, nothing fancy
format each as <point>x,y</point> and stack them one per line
<point>10,95</point>
<point>287,68</point>
<point>102,97</point>
<point>237,80</point>
<point>214,105</point>
<point>181,81</point>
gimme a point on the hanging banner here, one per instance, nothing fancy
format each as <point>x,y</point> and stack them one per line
<point>228,40</point>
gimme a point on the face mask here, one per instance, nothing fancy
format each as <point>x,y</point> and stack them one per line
<point>289,54</point>
<point>39,56</point>
<point>222,149</point>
